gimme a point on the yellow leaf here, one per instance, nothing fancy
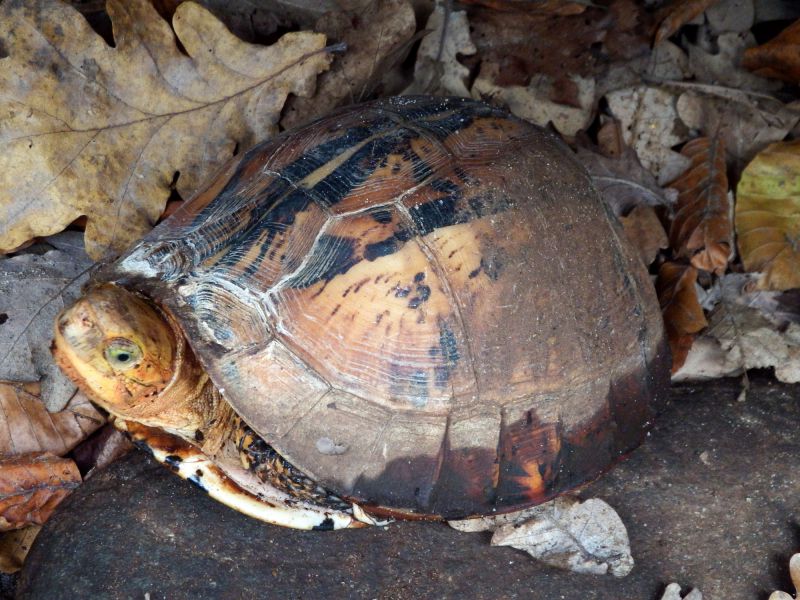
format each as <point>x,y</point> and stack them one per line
<point>14,547</point>
<point>87,129</point>
<point>768,216</point>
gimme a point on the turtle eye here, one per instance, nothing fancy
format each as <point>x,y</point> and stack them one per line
<point>123,354</point>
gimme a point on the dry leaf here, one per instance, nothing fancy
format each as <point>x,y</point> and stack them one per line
<point>746,121</point>
<point>557,7</point>
<point>584,537</point>
<point>768,216</point>
<point>27,427</point>
<point>14,547</point>
<point>650,125</point>
<point>722,66</point>
<point>683,315</point>
<point>779,58</point>
<point>701,227</point>
<point>533,103</point>
<point>524,46</point>
<point>673,592</point>
<point>376,36</point>
<point>731,16</point>
<point>677,14</point>
<point>644,230</point>
<point>34,288</point>
<point>748,329</point>
<point>99,131</point>
<point>100,450</point>
<point>31,486</point>
<point>437,70</point>
<point>794,573</point>
<point>623,182</point>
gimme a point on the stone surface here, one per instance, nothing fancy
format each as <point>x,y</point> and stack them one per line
<point>712,500</point>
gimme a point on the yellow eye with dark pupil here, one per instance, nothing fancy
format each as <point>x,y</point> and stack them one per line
<point>122,354</point>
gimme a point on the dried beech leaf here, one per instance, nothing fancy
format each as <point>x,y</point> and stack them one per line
<point>677,14</point>
<point>644,230</point>
<point>768,216</point>
<point>683,315</point>
<point>650,125</point>
<point>779,58</point>
<point>585,537</point>
<point>31,486</point>
<point>98,131</point>
<point>14,547</point>
<point>34,288</point>
<point>376,36</point>
<point>26,426</point>
<point>437,70</point>
<point>701,228</point>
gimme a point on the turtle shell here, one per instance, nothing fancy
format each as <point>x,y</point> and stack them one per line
<point>420,302</point>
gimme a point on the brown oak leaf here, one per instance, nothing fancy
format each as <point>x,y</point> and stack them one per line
<point>701,228</point>
<point>779,58</point>
<point>31,486</point>
<point>683,315</point>
<point>89,129</point>
<point>26,426</point>
<point>676,14</point>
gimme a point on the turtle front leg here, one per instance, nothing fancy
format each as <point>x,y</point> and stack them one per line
<point>225,480</point>
<point>264,462</point>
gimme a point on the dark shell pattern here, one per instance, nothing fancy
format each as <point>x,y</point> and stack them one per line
<point>420,302</point>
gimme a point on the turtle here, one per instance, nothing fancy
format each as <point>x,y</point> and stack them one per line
<point>414,307</point>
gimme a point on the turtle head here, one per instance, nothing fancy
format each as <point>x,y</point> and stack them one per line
<point>118,348</point>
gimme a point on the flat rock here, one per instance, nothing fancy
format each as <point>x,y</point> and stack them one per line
<point>712,500</point>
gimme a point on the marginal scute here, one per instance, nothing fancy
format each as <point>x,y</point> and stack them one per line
<point>428,286</point>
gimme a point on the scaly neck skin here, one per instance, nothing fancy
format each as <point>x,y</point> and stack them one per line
<point>190,406</point>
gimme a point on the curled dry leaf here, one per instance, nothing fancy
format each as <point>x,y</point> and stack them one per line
<point>31,486</point>
<point>701,228</point>
<point>673,592</point>
<point>748,329</point>
<point>33,289</point>
<point>768,216</point>
<point>683,315</point>
<point>26,426</point>
<point>102,131</point>
<point>779,58</point>
<point>794,573</point>
<point>376,37</point>
<point>677,13</point>
<point>437,70</point>
<point>585,537</point>
<point>14,547</point>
